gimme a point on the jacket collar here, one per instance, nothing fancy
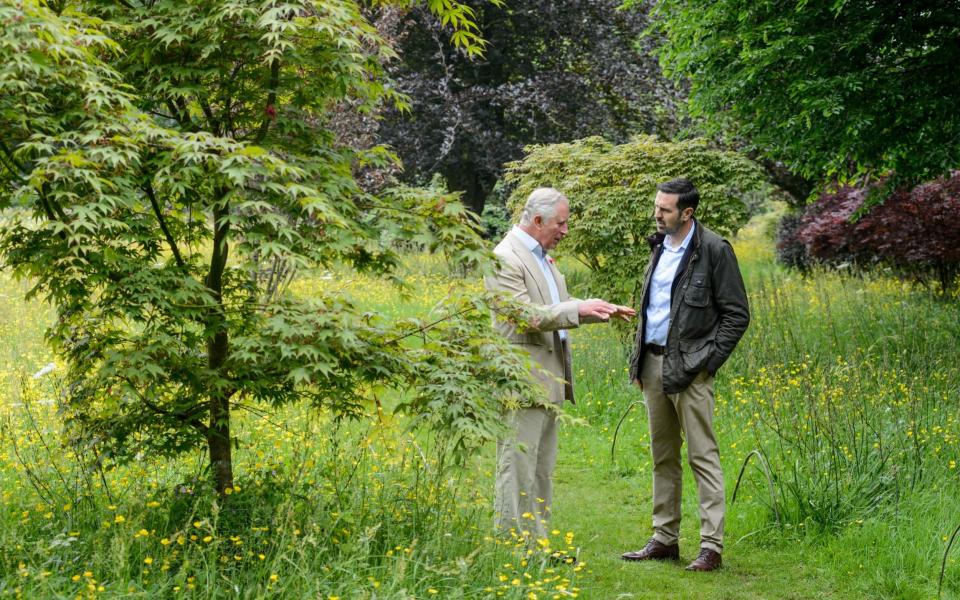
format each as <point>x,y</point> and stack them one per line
<point>531,264</point>
<point>656,240</point>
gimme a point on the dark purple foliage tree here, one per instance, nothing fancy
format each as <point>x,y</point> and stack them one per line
<point>552,71</point>
<point>827,228</point>
<point>914,231</point>
<point>791,252</point>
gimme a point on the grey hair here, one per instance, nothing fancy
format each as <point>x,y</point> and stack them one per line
<point>541,201</point>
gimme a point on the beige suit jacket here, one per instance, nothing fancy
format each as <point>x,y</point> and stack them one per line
<point>519,275</point>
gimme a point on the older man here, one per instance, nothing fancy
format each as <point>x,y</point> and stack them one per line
<point>694,311</point>
<point>526,457</point>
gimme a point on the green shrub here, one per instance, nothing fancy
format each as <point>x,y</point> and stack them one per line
<point>611,189</point>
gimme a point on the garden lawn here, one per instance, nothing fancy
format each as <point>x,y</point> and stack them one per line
<point>848,387</point>
<point>851,389</point>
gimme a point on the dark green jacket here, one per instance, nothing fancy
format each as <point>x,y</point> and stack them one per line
<point>708,310</point>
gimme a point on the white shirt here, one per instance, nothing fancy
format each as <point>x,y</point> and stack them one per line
<point>658,308</point>
<point>538,252</point>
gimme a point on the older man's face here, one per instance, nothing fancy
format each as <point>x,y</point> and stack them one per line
<point>550,232</point>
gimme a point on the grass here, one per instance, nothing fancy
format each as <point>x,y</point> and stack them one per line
<point>848,386</point>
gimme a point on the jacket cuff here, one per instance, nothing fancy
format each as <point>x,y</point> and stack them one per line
<point>714,364</point>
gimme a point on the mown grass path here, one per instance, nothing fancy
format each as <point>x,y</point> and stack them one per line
<point>610,511</point>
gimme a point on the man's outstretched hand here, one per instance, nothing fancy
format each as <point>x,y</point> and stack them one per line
<point>601,309</point>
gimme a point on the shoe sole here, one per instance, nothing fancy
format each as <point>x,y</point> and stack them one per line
<point>656,558</point>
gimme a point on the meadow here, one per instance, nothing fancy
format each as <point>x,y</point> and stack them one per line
<point>844,395</point>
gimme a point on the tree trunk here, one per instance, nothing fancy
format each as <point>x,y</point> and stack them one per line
<point>798,187</point>
<point>218,442</point>
<point>475,185</point>
<point>218,434</point>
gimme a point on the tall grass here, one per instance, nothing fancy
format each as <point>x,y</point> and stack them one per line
<point>848,386</point>
<point>850,390</point>
<point>321,508</point>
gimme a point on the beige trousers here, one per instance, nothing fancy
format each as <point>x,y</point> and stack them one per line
<point>525,462</point>
<point>672,417</point>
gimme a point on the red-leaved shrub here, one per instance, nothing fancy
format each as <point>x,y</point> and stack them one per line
<point>916,232</point>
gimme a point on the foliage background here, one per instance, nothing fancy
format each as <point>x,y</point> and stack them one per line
<point>552,71</point>
<point>834,90</point>
<point>611,190</point>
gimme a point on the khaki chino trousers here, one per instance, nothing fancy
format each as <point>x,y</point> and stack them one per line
<point>672,418</point>
<point>525,463</point>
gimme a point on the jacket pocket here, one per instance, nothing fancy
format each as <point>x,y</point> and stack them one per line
<point>694,354</point>
<point>698,294</point>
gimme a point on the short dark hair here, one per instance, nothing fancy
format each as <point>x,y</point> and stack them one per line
<point>684,189</point>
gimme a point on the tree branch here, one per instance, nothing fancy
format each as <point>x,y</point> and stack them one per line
<point>185,111</point>
<point>208,113</point>
<point>175,112</point>
<point>148,188</point>
<point>188,417</point>
<point>52,209</point>
<point>46,207</point>
<point>17,167</point>
<point>228,98</point>
<point>271,102</point>
<point>430,325</point>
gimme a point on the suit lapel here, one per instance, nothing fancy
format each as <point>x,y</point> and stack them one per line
<point>529,262</point>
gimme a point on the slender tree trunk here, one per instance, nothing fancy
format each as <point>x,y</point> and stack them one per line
<point>218,441</point>
<point>475,185</point>
<point>798,187</point>
<point>218,347</point>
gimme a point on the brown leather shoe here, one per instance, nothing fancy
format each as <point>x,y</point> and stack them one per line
<point>708,560</point>
<point>654,550</point>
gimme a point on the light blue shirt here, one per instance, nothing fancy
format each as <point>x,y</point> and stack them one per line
<point>538,252</point>
<point>658,307</point>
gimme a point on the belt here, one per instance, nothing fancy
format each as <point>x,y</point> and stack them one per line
<point>656,350</point>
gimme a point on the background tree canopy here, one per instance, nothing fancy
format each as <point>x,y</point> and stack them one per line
<point>611,189</point>
<point>552,72</point>
<point>832,89</point>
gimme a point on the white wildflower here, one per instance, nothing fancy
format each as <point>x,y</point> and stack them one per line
<point>46,369</point>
